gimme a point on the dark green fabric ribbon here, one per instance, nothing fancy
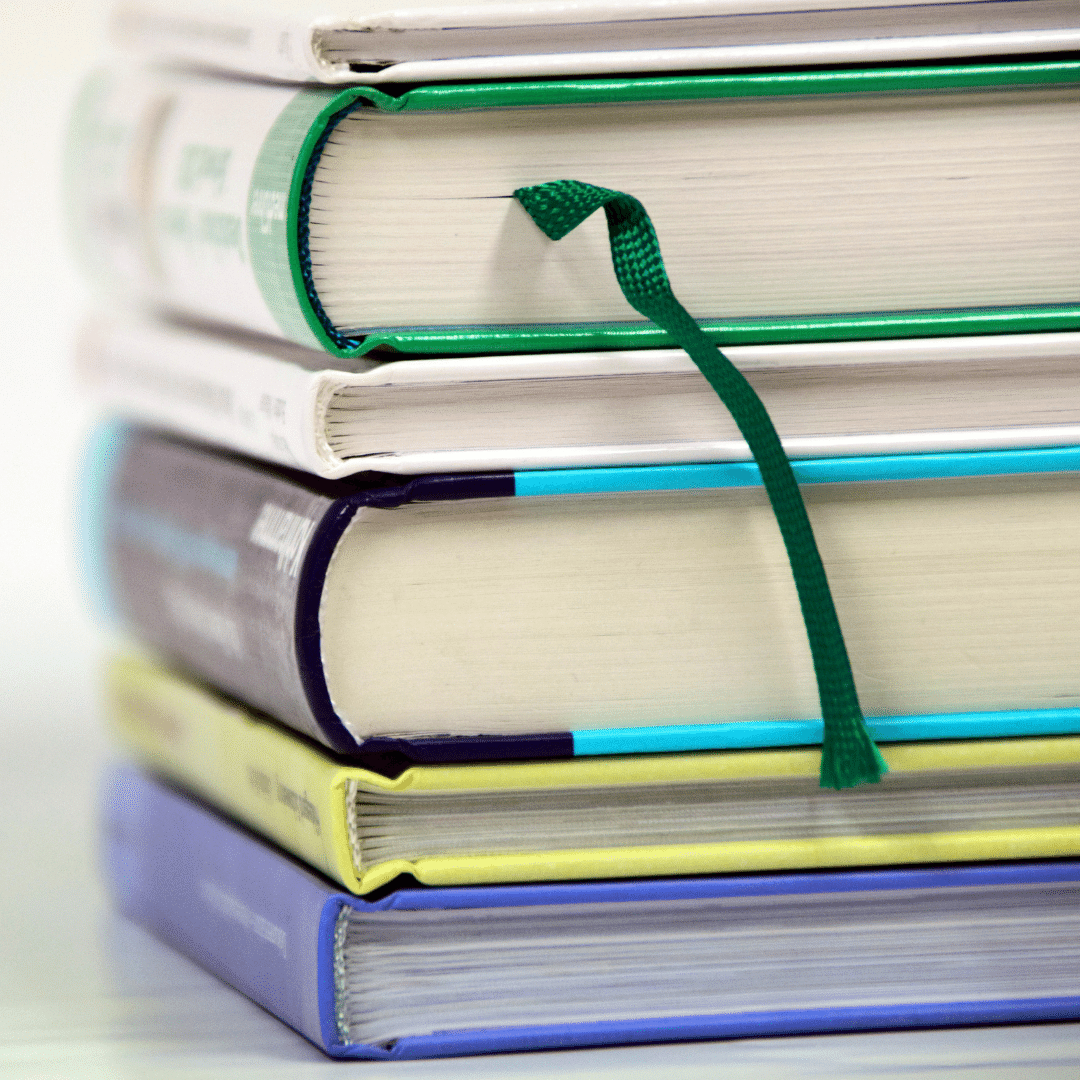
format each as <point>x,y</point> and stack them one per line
<point>848,754</point>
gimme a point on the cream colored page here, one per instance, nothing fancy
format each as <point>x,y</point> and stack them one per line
<point>566,614</point>
<point>778,207</point>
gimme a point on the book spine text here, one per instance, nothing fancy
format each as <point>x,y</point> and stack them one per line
<point>276,48</point>
<point>179,190</point>
<point>210,389</point>
<point>232,904</point>
<point>280,786</point>
<point>202,556</point>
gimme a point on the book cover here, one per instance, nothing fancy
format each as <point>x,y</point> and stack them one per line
<point>331,965</point>
<point>239,218</point>
<point>299,408</point>
<point>239,572</point>
<point>941,801</point>
<point>372,43</point>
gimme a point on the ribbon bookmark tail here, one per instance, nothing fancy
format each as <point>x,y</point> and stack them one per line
<point>848,753</point>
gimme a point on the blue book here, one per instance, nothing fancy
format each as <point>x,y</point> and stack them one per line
<point>563,613</point>
<point>439,972</point>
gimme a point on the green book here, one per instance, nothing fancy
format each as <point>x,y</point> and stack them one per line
<point>791,206</point>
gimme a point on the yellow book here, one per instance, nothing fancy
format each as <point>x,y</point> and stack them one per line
<point>633,816</point>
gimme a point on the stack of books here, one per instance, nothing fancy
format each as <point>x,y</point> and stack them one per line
<point>475,707</point>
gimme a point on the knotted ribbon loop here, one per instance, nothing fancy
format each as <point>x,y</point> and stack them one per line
<point>848,754</point>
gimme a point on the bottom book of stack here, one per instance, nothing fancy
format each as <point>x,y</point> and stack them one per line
<point>430,972</point>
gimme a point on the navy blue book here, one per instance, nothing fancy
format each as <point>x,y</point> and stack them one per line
<point>570,612</point>
<point>439,972</point>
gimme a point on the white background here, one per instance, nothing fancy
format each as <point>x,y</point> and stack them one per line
<point>44,636</point>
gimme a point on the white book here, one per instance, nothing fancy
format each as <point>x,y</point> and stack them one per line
<point>332,417</point>
<point>371,41</point>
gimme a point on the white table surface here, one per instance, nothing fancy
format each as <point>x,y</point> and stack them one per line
<point>82,993</point>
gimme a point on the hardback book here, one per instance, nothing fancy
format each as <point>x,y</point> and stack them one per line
<point>370,41</point>
<point>797,205</point>
<point>609,817</point>
<point>442,972</point>
<point>559,612</point>
<point>332,417</point>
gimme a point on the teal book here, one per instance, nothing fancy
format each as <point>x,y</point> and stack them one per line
<point>573,612</point>
<point>790,205</point>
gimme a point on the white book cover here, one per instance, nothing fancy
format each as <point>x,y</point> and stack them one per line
<point>289,405</point>
<point>372,41</point>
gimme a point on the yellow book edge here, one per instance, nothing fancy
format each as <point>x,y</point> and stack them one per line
<point>678,860</point>
<point>287,789</point>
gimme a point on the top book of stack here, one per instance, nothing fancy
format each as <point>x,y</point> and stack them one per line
<point>791,206</point>
<point>374,41</point>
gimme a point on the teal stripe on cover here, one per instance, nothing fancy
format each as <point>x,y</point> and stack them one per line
<point>732,474</point>
<point>103,450</point>
<point>764,734</point>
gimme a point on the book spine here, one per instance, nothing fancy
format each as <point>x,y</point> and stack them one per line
<point>179,189</point>
<point>279,785</point>
<point>234,40</point>
<point>232,904</point>
<point>203,556</point>
<point>210,389</point>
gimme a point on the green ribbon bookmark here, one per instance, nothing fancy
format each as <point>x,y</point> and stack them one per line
<point>848,754</point>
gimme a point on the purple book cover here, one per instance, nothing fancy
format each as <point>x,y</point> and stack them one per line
<point>219,563</point>
<point>259,920</point>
